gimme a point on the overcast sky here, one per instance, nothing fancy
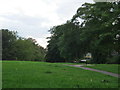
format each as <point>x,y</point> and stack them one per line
<point>33,18</point>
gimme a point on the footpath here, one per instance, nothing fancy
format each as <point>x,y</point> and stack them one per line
<point>101,71</point>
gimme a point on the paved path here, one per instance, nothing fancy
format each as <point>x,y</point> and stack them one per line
<point>104,72</point>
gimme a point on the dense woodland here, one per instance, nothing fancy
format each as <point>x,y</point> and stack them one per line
<point>18,48</point>
<point>95,28</point>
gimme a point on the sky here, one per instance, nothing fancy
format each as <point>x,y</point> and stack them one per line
<point>33,18</point>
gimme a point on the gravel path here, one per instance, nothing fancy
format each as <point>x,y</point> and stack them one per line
<point>104,72</point>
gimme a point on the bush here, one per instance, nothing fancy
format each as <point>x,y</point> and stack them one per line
<point>113,60</point>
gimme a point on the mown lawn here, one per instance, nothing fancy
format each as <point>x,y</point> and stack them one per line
<point>26,74</point>
<point>106,67</point>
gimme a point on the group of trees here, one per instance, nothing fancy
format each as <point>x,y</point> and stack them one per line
<point>95,28</point>
<point>18,48</point>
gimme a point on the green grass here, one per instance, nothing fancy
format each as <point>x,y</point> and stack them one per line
<point>26,74</point>
<point>106,67</point>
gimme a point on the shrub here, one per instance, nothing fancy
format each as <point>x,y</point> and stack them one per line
<point>113,60</point>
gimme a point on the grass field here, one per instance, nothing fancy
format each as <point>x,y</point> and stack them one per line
<point>26,74</point>
<point>106,67</point>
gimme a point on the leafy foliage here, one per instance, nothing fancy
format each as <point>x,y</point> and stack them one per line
<point>92,29</point>
<point>17,48</point>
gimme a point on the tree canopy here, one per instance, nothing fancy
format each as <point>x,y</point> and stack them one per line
<point>92,29</point>
<point>18,48</point>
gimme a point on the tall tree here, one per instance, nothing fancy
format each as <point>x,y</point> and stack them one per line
<point>102,38</point>
<point>53,53</point>
<point>8,40</point>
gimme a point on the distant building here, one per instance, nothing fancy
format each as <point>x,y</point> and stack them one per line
<point>88,56</point>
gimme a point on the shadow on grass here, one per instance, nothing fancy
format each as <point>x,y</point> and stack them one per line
<point>48,72</point>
